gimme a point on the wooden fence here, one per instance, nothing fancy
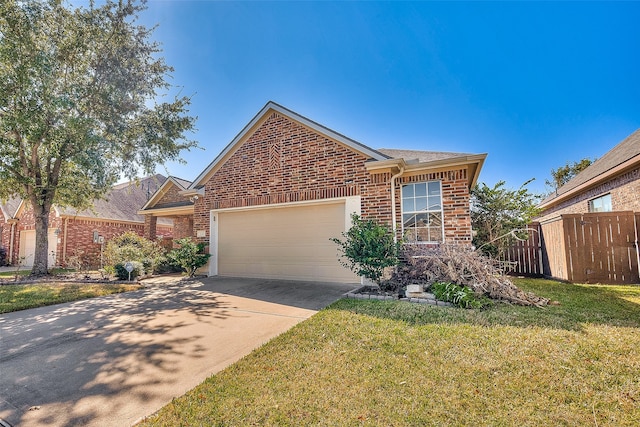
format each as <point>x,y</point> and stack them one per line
<point>525,256</point>
<point>583,248</point>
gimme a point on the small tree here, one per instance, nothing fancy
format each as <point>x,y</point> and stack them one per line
<point>190,256</point>
<point>368,248</point>
<point>499,213</point>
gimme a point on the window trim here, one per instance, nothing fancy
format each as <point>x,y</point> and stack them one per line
<point>440,210</point>
<point>600,198</point>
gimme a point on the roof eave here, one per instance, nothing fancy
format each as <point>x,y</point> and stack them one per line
<point>176,210</point>
<point>473,162</point>
<point>101,219</point>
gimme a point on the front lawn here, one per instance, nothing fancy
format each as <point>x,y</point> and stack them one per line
<point>385,363</point>
<point>21,297</point>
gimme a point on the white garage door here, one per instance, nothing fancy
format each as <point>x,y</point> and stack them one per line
<point>28,246</point>
<point>283,243</point>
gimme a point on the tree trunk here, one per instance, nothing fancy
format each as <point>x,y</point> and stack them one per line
<point>41,255</point>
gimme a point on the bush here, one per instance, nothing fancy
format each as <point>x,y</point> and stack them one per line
<point>368,248</point>
<point>131,247</point>
<point>458,295</point>
<point>122,273</point>
<point>190,256</point>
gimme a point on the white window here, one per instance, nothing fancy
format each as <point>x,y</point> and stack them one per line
<point>601,204</point>
<point>422,212</point>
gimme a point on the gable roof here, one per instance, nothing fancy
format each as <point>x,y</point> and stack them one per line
<point>620,158</point>
<point>179,183</point>
<point>10,207</point>
<point>265,112</point>
<point>122,202</point>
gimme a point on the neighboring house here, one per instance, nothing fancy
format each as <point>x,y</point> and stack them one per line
<point>270,201</point>
<point>82,234</point>
<point>169,203</point>
<point>611,183</point>
<point>588,231</point>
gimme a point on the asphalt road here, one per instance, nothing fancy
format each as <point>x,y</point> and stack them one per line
<point>113,360</point>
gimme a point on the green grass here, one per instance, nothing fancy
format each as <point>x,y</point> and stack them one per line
<point>21,297</point>
<point>380,363</point>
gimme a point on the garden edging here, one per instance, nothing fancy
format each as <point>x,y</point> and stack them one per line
<point>358,294</point>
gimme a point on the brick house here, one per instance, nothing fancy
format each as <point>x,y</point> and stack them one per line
<point>79,233</point>
<point>588,230</point>
<point>270,201</point>
<point>611,183</point>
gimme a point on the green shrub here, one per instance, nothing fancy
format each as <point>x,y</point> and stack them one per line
<point>190,256</point>
<point>129,247</point>
<point>461,296</point>
<point>122,273</point>
<point>368,248</point>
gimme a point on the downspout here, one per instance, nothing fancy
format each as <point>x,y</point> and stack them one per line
<point>11,239</point>
<point>64,242</point>
<point>637,230</point>
<point>393,203</point>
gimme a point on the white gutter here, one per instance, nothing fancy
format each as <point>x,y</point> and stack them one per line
<point>393,202</point>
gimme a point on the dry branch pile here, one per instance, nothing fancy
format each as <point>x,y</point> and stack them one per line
<point>464,266</point>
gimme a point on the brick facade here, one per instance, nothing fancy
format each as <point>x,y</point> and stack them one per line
<point>624,190</point>
<point>182,226</point>
<point>74,235</point>
<point>172,195</point>
<point>283,161</point>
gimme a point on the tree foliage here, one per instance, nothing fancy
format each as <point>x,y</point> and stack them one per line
<point>499,214</point>
<point>368,248</point>
<point>189,255</point>
<point>564,174</point>
<point>82,95</point>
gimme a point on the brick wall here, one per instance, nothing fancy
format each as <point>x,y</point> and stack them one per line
<point>624,190</point>
<point>283,162</point>
<point>172,195</point>
<point>79,238</point>
<point>182,226</point>
<point>79,235</point>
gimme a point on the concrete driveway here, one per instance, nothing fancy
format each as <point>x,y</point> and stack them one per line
<point>111,361</point>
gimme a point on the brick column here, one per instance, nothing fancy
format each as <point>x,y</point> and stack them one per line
<point>150,223</point>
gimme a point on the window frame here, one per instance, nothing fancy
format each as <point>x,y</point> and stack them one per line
<point>600,199</point>
<point>415,211</point>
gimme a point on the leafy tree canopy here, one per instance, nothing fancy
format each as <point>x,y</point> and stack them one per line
<point>564,174</point>
<point>81,104</point>
<point>498,214</point>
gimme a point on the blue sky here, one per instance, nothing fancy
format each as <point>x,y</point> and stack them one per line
<point>532,84</point>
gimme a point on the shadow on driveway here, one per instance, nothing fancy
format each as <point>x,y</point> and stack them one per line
<point>110,361</point>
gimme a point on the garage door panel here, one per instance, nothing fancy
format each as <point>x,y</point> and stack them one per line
<point>290,243</point>
<point>28,247</point>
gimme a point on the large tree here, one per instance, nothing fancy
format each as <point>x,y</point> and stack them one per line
<point>500,214</point>
<point>84,100</point>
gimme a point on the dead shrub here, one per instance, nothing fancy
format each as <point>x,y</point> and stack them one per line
<point>464,266</point>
